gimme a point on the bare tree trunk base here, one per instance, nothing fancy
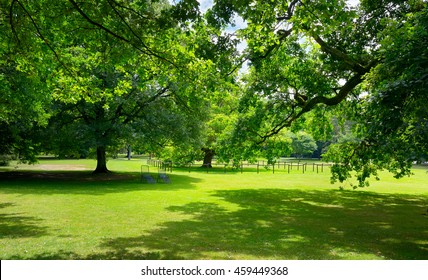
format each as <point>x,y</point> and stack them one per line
<point>101,161</point>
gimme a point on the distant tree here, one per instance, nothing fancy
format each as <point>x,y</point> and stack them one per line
<point>303,144</point>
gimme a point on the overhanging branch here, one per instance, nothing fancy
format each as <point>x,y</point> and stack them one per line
<point>290,11</point>
<point>339,55</point>
<point>42,37</point>
<point>144,49</point>
<point>344,91</point>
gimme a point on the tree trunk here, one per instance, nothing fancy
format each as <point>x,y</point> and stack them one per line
<point>101,160</point>
<point>128,150</point>
<point>208,157</point>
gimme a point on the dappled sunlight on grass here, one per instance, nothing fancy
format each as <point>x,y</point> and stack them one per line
<point>52,214</point>
<point>301,227</point>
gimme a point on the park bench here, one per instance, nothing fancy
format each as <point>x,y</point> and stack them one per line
<point>145,175</point>
<point>148,178</point>
<point>163,177</point>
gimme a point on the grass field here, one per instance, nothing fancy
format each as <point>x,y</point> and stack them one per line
<point>58,210</point>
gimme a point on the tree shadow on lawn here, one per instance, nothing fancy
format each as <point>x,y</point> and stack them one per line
<point>17,225</point>
<point>279,224</point>
<point>290,224</point>
<point>111,255</point>
<point>83,182</point>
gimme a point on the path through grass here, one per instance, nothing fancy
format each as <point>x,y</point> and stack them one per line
<point>47,213</point>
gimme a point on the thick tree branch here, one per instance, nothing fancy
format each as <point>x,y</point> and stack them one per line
<point>344,91</point>
<point>290,11</point>
<point>12,25</point>
<point>339,55</point>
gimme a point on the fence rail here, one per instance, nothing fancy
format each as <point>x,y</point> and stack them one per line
<point>244,166</point>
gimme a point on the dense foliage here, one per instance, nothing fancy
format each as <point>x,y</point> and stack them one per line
<point>95,75</point>
<point>111,72</point>
<point>364,64</point>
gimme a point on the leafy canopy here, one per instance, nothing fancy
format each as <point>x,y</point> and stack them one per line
<point>366,63</point>
<point>115,70</point>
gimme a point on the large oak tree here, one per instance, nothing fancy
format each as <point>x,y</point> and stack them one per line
<point>113,70</point>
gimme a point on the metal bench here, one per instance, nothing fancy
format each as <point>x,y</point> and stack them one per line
<point>145,175</point>
<point>163,177</point>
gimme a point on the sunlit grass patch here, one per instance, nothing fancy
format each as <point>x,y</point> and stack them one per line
<point>72,214</point>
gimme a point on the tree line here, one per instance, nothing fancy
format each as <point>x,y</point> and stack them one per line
<point>81,77</point>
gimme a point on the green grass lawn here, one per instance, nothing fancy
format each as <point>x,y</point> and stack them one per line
<point>58,210</point>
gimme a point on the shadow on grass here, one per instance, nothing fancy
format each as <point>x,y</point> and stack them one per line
<point>291,224</point>
<point>83,182</point>
<point>280,224</point>
<point>17,225</point>
<point>111,255</point>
